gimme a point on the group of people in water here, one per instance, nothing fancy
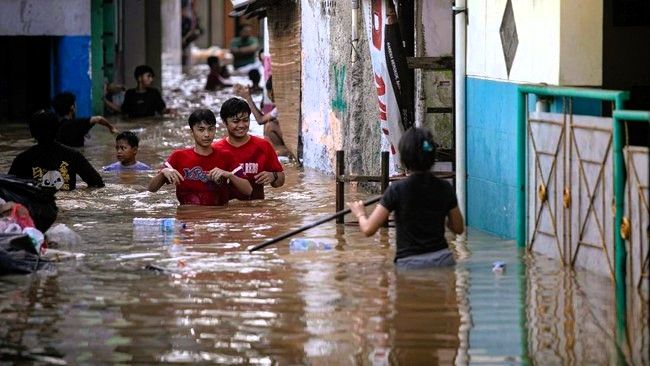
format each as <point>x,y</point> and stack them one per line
<point>209,173</point>
<point>239,166</point>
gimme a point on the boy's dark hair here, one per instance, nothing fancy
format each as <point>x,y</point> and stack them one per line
<point>269,83</point>
<point>255,77</point>
<point>44,126</point>
<point>130,138</point>
<point>202,115</point>
<point>141,70</point>
<point>233,107</point>
<point>62,103</point>
<point>213,60</point>
<point>417,149</point>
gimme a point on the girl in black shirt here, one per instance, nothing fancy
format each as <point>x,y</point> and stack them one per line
<point>422,203</point>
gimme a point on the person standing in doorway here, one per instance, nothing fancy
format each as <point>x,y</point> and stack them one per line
<point>254,155</point>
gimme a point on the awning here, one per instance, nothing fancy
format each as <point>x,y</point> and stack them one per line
<point>253,8</point>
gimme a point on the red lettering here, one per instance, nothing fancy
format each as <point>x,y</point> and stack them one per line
<point>377,20</point>
<point>381,86</point>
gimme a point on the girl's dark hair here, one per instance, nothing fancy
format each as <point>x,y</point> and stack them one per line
<point>417,149</point>
<point>130,138</point>
<point>202,115</point>
<point>233,107</point>
<point>44,126</point>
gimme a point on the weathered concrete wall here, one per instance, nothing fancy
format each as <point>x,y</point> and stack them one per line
<point>437,24</point>
<point>339,103</point>
<point>45,17</point>
<point>171,34</point>
<point>437,35</point>
<point>581,42</point>
<point>317,133</point>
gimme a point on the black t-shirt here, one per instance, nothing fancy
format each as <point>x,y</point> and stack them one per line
<point>55,165</point>
<point>143,104</point>
<point>72,132</point>
<point>421,203</point>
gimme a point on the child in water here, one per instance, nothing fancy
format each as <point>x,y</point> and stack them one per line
<point>126,149</point>
<point>218,76</point>
<point>422,203</point>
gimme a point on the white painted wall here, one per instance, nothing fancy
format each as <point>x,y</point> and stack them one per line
<point>581,42</point>
<point>44,17</point>
<point>317,131</point>
<point>538,52</point>
<point>560,41</point>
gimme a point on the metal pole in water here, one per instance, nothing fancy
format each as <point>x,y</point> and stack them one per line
<point>340,193</point>
<point>309,226</point>
<point>384,175</point>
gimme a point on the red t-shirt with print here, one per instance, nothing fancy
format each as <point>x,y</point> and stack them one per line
<point>256,155</point>
<point>197,188</point>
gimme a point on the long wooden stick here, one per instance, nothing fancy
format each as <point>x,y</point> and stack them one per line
<point>309,226</point>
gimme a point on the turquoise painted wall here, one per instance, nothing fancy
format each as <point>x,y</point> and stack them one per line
<point>492,150</point>
<point>71,67</point>
<point>491,156</point>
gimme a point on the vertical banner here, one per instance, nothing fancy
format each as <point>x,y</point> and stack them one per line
<point>395,96</point>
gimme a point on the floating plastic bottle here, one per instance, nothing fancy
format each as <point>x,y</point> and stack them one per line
<point>165,225</point>
<point>498,267</point>
<point>37,238</point>
<point>304,244</point>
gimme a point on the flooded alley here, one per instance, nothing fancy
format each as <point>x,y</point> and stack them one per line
<point>509,140</point>
<point>216,302</point>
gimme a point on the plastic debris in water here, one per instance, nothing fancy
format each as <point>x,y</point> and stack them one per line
<point>498,267</point>
<point>304,244</point>
<point>164,224</point>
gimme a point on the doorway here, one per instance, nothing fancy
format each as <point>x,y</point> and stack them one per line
<point>25,76</point>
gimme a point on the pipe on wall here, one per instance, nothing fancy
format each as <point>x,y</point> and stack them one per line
<point>355,29</point>
<point>460,64</point>
<point>420,95</point>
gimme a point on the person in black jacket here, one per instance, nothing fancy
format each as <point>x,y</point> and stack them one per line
<point>73,131</point>
<point>50,163</point>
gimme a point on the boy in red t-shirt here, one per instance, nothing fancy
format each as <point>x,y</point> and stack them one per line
<point>254,155</point>
<point>202,176</point>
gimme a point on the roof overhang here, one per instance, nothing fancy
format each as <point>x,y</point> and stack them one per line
<point>252,8</point>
